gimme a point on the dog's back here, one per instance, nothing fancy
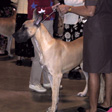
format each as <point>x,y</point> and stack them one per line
<point>70,53</point>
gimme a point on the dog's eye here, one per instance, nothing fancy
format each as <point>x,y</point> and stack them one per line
<point>24,28</point>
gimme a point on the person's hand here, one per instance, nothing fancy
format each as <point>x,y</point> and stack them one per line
<point>54,7</point>
<point>63,9</point>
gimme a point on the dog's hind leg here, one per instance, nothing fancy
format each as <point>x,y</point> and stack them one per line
<point>84,92</point>
<point>55,81</point>
<point>9,44</point>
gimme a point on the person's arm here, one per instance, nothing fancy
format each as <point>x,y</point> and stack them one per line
<point>81,10</point>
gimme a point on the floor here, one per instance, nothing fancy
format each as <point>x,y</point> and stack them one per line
<point>15,95</point>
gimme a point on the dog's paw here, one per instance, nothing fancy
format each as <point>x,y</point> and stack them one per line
<point>81,94</point>
<point>51,110</point>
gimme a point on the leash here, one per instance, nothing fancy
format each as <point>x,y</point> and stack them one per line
<point>51,13</point>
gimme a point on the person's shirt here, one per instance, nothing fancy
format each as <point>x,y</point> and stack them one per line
<point>45,5</point>
<point>22,6</point>
<point>103,8</point>
<point>91,2</point>
<point>102,19</point>
<point>71,18</point>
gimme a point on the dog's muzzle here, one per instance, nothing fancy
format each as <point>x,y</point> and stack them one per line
<point>21,36</point>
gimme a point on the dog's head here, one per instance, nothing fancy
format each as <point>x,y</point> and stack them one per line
<point>28,28</point>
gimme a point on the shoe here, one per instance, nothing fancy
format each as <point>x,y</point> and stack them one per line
<point>30,63</point>
<point>37,88</point>
<point>104,109</point>
<point>49,86</point>
<point>81,109</point>
<point>6,52</point>
<point>19,62</point>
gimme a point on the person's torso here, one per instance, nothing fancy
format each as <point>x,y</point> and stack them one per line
<point>102,19</point>
<point>103,11</point>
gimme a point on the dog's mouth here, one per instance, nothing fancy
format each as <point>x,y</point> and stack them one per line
<point>20,36</point>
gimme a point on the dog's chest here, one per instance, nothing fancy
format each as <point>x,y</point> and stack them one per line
<point>39,53</point>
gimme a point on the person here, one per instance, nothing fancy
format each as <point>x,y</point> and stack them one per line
<point>97,52</point>
<point>6,10</point>
<point>73,29</point>
<point>36,70</point>
<point>24,49</point>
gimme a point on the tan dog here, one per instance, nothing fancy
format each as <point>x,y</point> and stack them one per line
<point>56,56</point>
<point>7,28</point>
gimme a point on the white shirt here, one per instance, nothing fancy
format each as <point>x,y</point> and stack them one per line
<point>71,18</point>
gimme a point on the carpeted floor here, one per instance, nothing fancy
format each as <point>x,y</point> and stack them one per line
<point>15,95</point>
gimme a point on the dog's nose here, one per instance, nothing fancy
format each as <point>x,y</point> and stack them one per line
<point>14,35</point>
<point>17,39</point>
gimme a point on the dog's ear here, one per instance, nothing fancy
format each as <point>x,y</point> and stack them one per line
<point>37,17</point>
<point>38,20</point>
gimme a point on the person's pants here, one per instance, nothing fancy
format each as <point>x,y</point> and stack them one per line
<point>36,70</point>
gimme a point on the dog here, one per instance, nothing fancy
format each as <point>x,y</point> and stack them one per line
<point>56,56</point>
<point>7,28</point>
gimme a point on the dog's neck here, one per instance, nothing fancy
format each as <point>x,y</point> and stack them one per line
<point>43,37</point>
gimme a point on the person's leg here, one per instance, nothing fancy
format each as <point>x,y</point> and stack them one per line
<point>36,69</point>
<point>94,86</point>
<point>108,93</point>
<point>45,77</point>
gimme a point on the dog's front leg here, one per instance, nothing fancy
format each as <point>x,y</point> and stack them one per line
<point>56,80</point>
<point>9,44</point>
